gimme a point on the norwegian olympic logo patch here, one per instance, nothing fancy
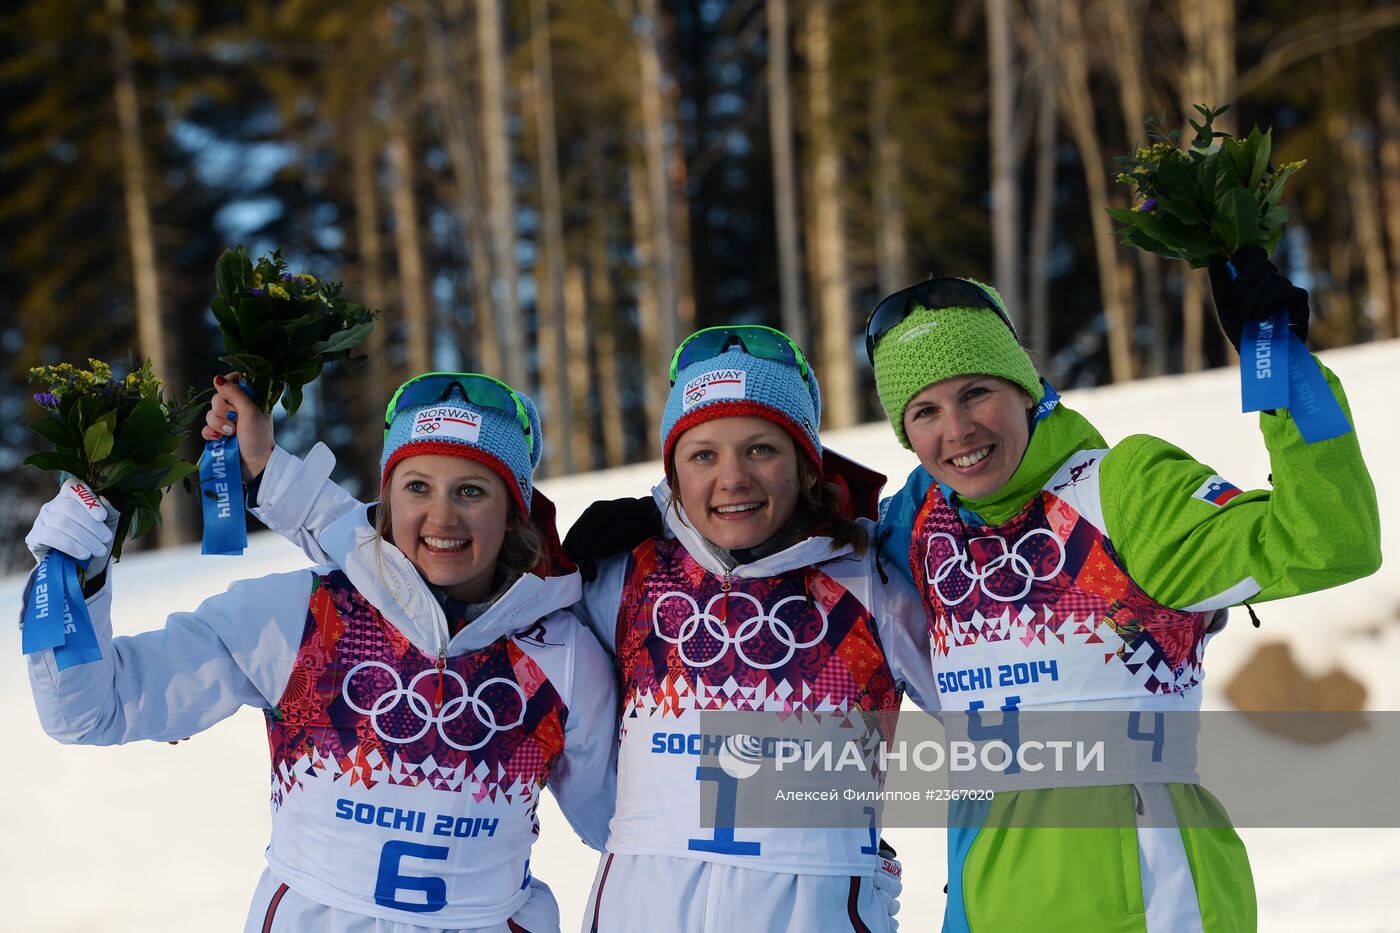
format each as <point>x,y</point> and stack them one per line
<point>721,383</point>
<point>1217,491</point>
<point>447,421</point>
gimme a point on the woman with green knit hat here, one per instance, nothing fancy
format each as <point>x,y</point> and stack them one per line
<point>1038,546</point>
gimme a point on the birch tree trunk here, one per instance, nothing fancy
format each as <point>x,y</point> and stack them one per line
<point>150,327</point>
<point>177,518</point>
<point>413,284</point>
<point>578,437</point>
<point>603,311</point>
<point>828,256</point>
<point>1047,18</point>
<point>646,29</point>
<point>448,56</point>
<point>891,239</point>
<point>1208,71</point>
<point>1006,161</point>
<point>1124,22</point>
<point>779,82</point>
<point>1365,218</point>
<point>1078,111</point>
<point>500,195</point>
<point>654,348</point>
<point>1388,129</point>
<point>549,288</point>
<point>375,387</point>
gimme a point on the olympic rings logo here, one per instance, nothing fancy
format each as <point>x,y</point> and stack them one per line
<point>1012,561</point>
<point>427,427</point>
<point>420,706</point>
<point>780,630</point>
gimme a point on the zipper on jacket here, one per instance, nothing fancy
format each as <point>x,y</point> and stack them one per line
<point>441,668</point>
<point>724,603</point>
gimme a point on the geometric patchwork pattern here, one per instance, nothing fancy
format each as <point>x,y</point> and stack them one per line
<point>364,705</point>
<point>815,649</point>
<point>1046,576</point>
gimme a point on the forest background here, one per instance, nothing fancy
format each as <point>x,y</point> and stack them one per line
<point>556,192</point>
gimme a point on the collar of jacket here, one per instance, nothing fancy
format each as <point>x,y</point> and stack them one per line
<point>805,553</point>
<point>391,583</point>
<point>1058,435</point>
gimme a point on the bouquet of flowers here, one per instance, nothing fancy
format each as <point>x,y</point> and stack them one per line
<point>1203,203</point>
<point>116,435</point>
<point>281,328</point>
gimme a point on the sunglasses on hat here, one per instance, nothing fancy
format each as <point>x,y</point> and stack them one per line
<point>475,388</point>
<point>932,295</point>
<point>754,339</point>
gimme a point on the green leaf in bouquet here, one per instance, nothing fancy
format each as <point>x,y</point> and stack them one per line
<point>54,431</point>
<point>177,472</point>
<point>345,340</point>
<point>1275,192</point>
<point>1175,182</point>
<point>1227,176</point>
<point>98,439</point>
<point>58,460</point>
<point>225,316</point>
<point>1236,221</point>
<point>1274,218</point>
<point>1239,158</point>
<point>232,270</point>
<point>146,429</point>
<point>143,519</point>
<point>300,335</point>
<point>1261,145</point>
<point>255,369</point>
<point>111,473</point>
<point>291,398</point>
<point>251,313</point>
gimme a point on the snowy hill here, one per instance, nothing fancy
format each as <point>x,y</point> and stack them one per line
<point>149,836</point>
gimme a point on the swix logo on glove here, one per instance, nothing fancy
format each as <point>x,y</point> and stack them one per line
<point>85,496</point>
<point>721,383</point>
<point>447,421</point>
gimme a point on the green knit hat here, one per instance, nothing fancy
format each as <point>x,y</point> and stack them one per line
<point>930,346</point>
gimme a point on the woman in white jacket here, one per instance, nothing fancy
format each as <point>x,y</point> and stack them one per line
<point>420,687</point>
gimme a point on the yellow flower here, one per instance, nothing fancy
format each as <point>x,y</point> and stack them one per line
<point>257,280</point>
<point>277,291</point>
<point>306,280</point>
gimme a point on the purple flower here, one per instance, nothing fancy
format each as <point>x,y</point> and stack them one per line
<point>255,292</point>
<point>1148,205</point>
<point>287,276</point>
<point>46,399</point>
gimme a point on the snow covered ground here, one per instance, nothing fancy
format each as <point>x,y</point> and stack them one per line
<point>152,837</point>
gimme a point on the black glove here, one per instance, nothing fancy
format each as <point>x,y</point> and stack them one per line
<point>613,526</point>
<point>1257,292</point>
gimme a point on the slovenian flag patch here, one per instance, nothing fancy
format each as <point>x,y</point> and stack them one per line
<point>1217,491</point>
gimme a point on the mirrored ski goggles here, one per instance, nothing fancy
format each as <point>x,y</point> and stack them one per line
<point>933,295</point>
<point>430,388</point>
<point>754,339</point>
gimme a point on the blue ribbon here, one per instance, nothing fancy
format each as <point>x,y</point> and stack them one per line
<point>1277,371</point>
<point>56,616</point>
<point>221,496</point>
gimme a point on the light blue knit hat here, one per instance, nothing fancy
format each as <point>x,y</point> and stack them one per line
<point>735,384</point>
<point>456,427</point>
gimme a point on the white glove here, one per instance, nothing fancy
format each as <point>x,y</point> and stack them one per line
<point>889,881</point>
<point>78,524</point>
